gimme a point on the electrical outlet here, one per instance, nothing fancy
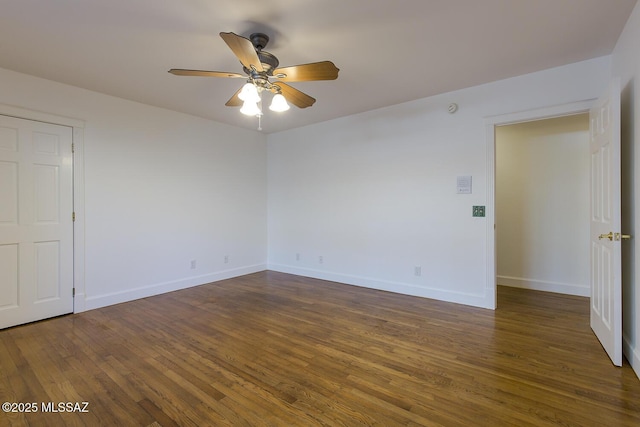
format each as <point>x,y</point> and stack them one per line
<point>193,264</point>
<point>417,271</point>
<point>298,257</point>
<point>478,211</point>
<point>321,259</point>
<point>226,259</point>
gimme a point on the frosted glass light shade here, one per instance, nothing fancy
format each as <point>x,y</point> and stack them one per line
<point>279,103</point>
<point>249,93</point>
<point>250,109</point>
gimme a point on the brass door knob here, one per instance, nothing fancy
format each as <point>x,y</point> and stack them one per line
<point>614,236</point>
<point>606,236</point>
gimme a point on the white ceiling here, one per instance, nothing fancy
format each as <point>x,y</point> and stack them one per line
<point>388,51</point>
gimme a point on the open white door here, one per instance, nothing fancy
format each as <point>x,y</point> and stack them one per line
<point>606,270</point>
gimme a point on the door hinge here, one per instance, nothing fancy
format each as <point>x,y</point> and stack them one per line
<point>73,292</point>
<point>73,147</point>
<point>73,216</point>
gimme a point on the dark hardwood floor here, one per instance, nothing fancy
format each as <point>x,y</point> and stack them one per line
<point>271,349</point>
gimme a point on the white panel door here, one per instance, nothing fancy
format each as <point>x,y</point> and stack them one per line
<point>36,226</point>
<point>606,270</point>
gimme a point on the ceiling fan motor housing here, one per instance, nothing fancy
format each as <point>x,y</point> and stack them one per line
<point>269,63</point>
<point>259,40</point>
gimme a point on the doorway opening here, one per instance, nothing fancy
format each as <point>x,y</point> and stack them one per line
<point>491,124</point>
<point>542,205</point>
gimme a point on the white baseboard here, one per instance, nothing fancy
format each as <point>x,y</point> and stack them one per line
<point>79,302</point>
<point>92,302</point>
<point>475,300</point>
<point>632,355</point>
<point>541,285</point>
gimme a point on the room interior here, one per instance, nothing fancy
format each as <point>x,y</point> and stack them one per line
<point>172,189</point>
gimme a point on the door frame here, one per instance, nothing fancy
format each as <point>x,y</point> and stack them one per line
<point>78,190</point>
<point>491,292</point>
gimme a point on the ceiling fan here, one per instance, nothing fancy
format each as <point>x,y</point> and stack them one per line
<point>259,68</point>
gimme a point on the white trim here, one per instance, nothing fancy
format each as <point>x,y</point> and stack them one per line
<point>474,300</point>
<point>38,116</point>
<point>105,300</point>
<point>490,125</point>
<point>632,355</point>
<point>78,188</point>
<point>540,114</point>
<point>79,224</point>
<point>491,290</point>
<point>546,286</point>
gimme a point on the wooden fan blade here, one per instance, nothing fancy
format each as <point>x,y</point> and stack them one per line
<point>324,70</point>
<point>200,73</point>
<point>234,101</point>
<point>243,49</point>
<point>294,96</point>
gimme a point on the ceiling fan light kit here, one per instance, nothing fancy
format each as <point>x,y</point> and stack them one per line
<point>249,93</point>
<point>279,103</point>
<point>250,109</point>
<point>259,67</point>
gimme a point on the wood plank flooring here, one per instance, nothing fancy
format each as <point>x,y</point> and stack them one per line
<point>272,349</point>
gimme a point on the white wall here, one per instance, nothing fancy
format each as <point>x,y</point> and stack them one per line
<point>374,194</point>
<point>626,65</point>
<point>161,189</point>
<point>542,205</point>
